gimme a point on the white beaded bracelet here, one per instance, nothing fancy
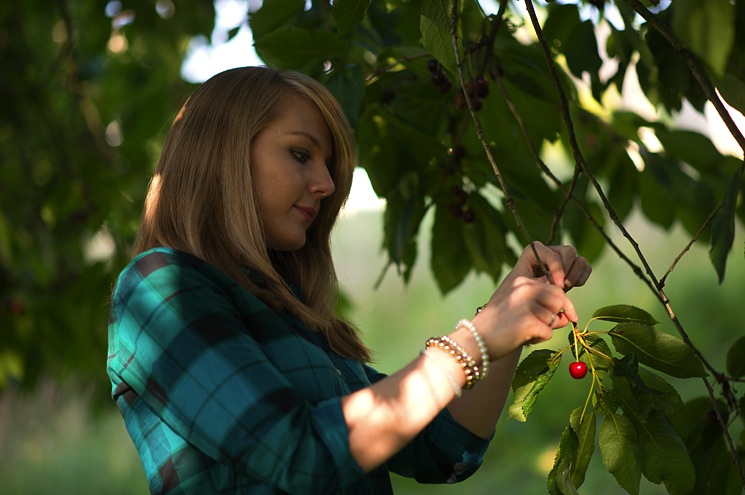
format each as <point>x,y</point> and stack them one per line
<point>441,364</point>
<point>482,346</point>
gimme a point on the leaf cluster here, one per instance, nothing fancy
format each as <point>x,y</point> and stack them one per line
<point>421,153</point>
<point>633,415</point>
<point>89,88</point>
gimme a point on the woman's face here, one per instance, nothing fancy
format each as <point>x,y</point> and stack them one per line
<point>290,161</point>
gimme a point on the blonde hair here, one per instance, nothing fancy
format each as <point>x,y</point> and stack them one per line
<point>201,199</point>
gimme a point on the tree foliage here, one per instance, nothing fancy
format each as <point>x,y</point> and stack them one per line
<point>89,87</point>
<point>505,125</point>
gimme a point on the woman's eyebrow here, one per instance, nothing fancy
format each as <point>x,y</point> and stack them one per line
<point>308,135</point>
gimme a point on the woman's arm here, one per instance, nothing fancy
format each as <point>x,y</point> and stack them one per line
<point>386,416</point>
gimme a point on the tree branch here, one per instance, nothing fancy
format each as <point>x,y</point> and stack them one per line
<point>509,201</point>
<point>580,161</point>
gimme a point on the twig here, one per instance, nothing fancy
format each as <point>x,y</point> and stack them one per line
<point>690,243</point>
<point>509,201</point>
<point>568,194</point>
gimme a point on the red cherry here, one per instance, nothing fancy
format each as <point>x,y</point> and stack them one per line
<point>578,370</point>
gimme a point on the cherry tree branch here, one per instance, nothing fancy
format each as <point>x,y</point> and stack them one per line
<point>580,162</point>
<point>568,193</point>
<point>509,201</point>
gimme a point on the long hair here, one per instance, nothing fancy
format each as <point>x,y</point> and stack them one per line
<point>201,199</point>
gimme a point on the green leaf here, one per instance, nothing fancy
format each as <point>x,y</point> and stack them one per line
<point>584,427</point>
<point>403,215</point>
<point>439,43</point>
<point>624,313</point>
<point>657,350</point>
<point>581,50</point>
<point>560,477</point>
<point>723,227</point>
<point>485,238</point>
<point>274,15</point>
<point>733,91</point>
<point>708,449</point>
<point>233,32</point>
<point>348,87</point>
<point>531,376</point>
<point>668,400</point>
<point>708,28</point>
<point>621,452</point>
<point>439,12</point>
<point>449,265</point>
<point>666,458</point>
<point>562,20</point>
<point>348,13</point>
<point>692,147</point>
<point>736,359</point>
<point>602,356</point>
<point>297,47</point>
<point>655,191</point>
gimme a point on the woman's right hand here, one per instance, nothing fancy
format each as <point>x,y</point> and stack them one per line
<point>526,308</point>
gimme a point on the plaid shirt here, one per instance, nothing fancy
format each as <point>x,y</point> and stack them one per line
<point>221,394</point>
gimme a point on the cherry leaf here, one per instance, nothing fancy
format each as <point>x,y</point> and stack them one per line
<point>621,452</point>
<point>532,374</point>
<point>666,457</point>
<point>621,313</point>
<point>657,350</point>
<point>584,427</point>
<point>559,478</point>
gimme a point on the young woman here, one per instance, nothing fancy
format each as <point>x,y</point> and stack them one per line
<point>228,364</point>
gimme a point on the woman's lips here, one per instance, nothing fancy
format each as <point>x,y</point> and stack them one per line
<point>308,212</point>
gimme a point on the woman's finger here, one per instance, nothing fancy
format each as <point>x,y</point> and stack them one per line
<point>577,274</point>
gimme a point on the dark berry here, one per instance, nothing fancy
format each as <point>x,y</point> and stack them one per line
<point>438,78</point>
<point>477,103</point>
<point>445,87</point>
<point>578,369</point>
<point>468,216</point>
<point>482,87</point>
<point>433,64</point>
<point>471,88</point>
<point>460,100</point>
<point>711,416</point>
<point>460,194</point>
<point>455,209</point>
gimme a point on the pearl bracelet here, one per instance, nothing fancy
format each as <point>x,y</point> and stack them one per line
<point>482,346</point>
<point>466,362</point>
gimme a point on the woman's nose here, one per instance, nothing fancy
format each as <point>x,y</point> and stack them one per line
<point>321,184</point>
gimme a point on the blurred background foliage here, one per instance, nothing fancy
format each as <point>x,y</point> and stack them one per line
<point>90,88</point>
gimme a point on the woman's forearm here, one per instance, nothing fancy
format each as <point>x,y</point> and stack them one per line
<point>479,409</point>
<point>386,416</point>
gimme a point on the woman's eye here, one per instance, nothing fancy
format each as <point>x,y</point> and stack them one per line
<point>300,156</point>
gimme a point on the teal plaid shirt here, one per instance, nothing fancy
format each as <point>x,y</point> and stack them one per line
<point>221,394</point>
